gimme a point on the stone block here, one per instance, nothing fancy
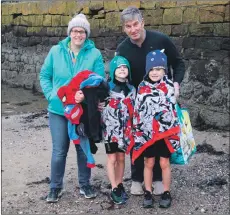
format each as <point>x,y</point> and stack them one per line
<point>185,3</point>
<point>166,4</point>
<point>221,29</point>
<point>25,21</point>
<point>29,8</point>
<point>192,54</point>
<point>51,31</point>
<point>5,9</point>
<point>59,31</point>
<point>100,43</point>
<point>208,43</point>
<point>56,20</point>
<point>213,2</point>
<point>172,16</point>
<point>218,55</point>
<point>54,40</point>
<point>112,20</point>
<point>43,7</point>
<point>38,20</point>
<point>96,5</point>
<point>153,17</point>
<point>225,44</point>
<point>47,20</point>
<point>72,7</point>
<point>122,4</point>
<point>190,15</point>
<point>201,29</point>
<point>57,7</point>
<point>7,20</point>
<point>177,41</point>
<point>94,23</point>
<point>86,10</point>
<point>99,15</point>
<point>188,42</point>
<point>211,14</point>
<point>179,30</point>
<point>33,41</point>
<point>111,42</point>
<point>151,28</point>
<point>227,15</point>
<point>166,29</point>
<point>111,6</point>
<point>148,4</point>
<point>15,8</point>
<point>65,20</point>
<point>102,23</point>
<point>17,20</point>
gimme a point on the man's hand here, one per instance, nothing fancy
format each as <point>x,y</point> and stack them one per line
<point>100,106</point>
<point>79,96</point>
<point>177,89</point>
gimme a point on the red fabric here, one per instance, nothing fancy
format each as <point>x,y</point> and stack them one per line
<point>70,90</point>
<point>75,114</point>
<point>157,136</point>
<point>67,95</point>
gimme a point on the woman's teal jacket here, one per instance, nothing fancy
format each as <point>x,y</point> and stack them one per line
<point>58,70</point>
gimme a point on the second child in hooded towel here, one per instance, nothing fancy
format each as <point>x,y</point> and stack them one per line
<point>155,124</point>
<point>117,125</point>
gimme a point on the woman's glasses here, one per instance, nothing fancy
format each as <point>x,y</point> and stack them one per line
<point>75,32</point>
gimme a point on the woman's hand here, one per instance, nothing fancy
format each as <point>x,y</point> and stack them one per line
<point>79,96</point>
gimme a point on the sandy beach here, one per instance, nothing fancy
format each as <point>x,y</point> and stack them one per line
<point>202,186</point>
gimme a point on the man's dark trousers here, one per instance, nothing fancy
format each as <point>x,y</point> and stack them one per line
<point>137,170</point>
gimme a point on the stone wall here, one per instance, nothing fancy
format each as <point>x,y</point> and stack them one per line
<point>199,29</point>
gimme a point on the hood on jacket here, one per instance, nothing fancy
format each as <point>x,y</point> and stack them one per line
<point>115,63</point>
<point>88,44</point>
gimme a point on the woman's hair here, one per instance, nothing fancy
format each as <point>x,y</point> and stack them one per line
<point>130,13</point>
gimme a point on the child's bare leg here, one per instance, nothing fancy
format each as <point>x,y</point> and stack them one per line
<point>166,173</point>
<point>111,162</point>
<point>120,167</point>
<point>148,173</point>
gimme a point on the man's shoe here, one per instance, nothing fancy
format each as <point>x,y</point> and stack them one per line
<point>88,192</point>
<point>116,196</point>
<point>136,188</point>
<point>123,193</point>
<point>54,195</point>
<point>158,188</point>
<point>166,200</point>
<point>148,200</point>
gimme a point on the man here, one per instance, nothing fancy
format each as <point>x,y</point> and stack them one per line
<point>135,48</point>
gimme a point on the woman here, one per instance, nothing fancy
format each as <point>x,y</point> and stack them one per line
<point>72,55</point>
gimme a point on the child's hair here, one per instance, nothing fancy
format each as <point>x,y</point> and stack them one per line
<point>115,63</point>
<point>156,59</point>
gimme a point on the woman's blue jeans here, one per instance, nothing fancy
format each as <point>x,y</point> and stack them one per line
<point>60,147</point>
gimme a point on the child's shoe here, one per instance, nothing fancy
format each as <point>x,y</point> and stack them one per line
<point>123,193</point>
<point>166,200</point>
<point>116,196</point>
<point>148,200</point>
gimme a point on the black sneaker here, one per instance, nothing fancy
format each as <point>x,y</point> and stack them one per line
<point>54,195</point>
<point>123,193</point>
<point>88,192</point>
<point>116,196</point>
<point>148,200</point>
<point>166,200</point>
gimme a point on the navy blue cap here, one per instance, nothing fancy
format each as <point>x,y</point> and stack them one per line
<point>156,59</point>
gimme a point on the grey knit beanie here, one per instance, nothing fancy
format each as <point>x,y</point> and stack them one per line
<point>79,21</point>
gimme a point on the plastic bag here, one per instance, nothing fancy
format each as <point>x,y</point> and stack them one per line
<point>187,142</point>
